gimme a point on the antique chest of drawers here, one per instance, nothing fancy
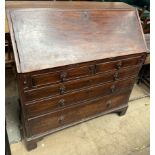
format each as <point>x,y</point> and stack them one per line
<point>75,61</point>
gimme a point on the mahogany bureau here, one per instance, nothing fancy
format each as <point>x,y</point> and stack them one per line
<point>75,61</point>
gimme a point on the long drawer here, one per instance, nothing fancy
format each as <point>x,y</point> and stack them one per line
<point>76,113</point>
<point>51,77</point>
<point>59,102</point>
<point>66,87</point>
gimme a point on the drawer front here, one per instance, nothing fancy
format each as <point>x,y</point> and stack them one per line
<point>66,87</point>
<point>56,103</point>
<point>116,65</point>
<point>77,113</point>
<point>61,76</point>
<point>41,79</point>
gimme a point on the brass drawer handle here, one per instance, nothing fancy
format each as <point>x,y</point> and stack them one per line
<point>61,102</point>
<point>61,120</point>
<point>62,90</point>
<point>92,69</point>
<point>113,88</point>
<point>119,65</point>
<point>109,104</point>
<point>116,76</point>
<point>63,76</point>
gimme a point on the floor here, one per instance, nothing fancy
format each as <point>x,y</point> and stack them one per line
<point>107,135</point>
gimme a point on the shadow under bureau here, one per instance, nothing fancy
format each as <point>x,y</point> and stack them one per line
<point>75,61</point>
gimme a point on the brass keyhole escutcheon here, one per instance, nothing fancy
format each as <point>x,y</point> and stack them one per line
<point>119,65</point>
<point>61,120</point>
<point>61,102</point>
<point>63,76</point>
<point>109,104</point>
<point>62,90</point>
<point>113,88</point>
<point>92,69</point>
<point>116,76</point>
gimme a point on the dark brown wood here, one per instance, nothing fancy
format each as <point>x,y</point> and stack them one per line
<point>42,79</point>
<point>65,5</point>
<point>79,27</point>
<point>47,105</point>
<point>116,65</point>
<point>75,61</point>
<point>122,111</point>
<point>52,76</point>
<point>66,87</point>
<point>30,145</point>
<point>54,120</point>
<point>76,73</point>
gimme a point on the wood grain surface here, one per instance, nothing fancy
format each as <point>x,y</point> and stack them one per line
<point>65,5</point>
<point>75,61</point>
<point>86,35</point>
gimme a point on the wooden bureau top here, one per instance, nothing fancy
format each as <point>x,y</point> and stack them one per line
<point>66,5</point>
<point>70,33</point>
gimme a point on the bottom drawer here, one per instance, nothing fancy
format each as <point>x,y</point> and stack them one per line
<point>76,113</point>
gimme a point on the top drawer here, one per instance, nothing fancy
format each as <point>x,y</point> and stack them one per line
<point>61,76</point>
<point>116,65</point>
<point>47,78</point>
